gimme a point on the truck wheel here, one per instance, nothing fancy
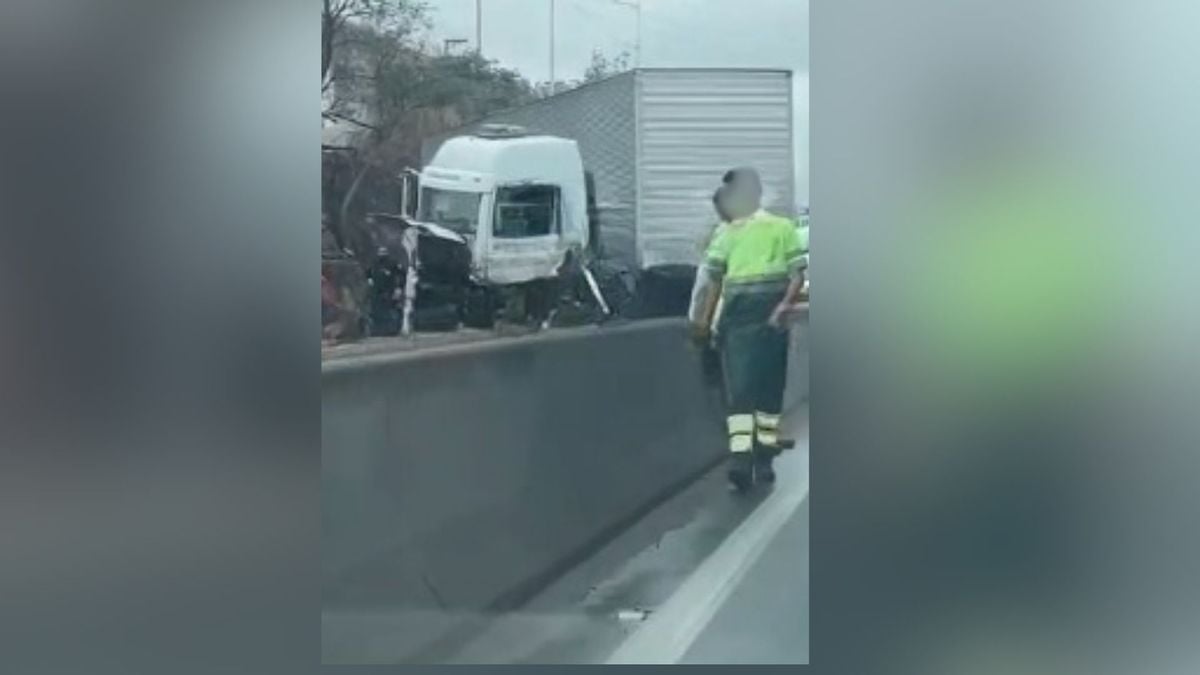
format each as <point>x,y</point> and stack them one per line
<point>479,309</point>
<point>542,300</point>
<point>616,287</point>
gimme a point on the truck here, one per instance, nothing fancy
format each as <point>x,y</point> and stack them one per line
<point>618,173</point>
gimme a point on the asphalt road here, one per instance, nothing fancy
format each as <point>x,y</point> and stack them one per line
<point>765,620</point>
<point>747,601</point>
<point>709,577</point>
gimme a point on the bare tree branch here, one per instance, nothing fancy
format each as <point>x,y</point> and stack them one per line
<point>338,117</point>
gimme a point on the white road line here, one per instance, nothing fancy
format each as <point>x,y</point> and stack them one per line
<point>672,628</point>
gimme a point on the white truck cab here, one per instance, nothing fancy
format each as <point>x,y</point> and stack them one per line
<point>519,201</point>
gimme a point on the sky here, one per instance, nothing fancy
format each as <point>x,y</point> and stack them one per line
<point>675,33</point>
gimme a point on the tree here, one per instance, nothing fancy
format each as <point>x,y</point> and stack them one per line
<point>342,22</point>
<point>475,86</point>
<point>389,82</point>
<point>602,67</point>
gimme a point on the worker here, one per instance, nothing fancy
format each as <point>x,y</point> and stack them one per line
<point>756,261</point>
<point>704,328</point>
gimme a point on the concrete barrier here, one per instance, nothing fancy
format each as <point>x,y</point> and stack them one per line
<point>460,478</point>
<point>466,478</point>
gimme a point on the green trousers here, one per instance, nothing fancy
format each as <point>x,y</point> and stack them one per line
<point>754,355</point>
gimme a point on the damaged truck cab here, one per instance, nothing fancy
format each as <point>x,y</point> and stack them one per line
<point>518,202</point>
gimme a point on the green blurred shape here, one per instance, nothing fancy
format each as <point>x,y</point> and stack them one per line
<point>1014,283</point>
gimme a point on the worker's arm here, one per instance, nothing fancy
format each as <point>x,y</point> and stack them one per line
<point>706,292</point>
<point>705,295</point>
<point>797,266</point>
<point>712,299</point>
<point>701,289</point>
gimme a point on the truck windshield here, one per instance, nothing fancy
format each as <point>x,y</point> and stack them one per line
<point>453,209</point>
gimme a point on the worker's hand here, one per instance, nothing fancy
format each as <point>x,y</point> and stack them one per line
<point>699,334</point>
<point>779,316</point>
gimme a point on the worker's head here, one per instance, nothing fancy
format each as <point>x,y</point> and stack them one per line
<point>742,191</point>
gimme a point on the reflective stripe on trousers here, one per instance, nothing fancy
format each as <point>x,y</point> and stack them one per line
<point>766,429</point>
<point>741,433</point>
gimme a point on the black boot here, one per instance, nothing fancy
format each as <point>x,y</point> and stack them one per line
<point>764,457</point>
<point>741,471</point>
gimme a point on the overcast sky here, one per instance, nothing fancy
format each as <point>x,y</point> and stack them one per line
<point>675,33</point>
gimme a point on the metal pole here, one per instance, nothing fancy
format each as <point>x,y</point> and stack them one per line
<point>479,26</point>
<point>410,240</point>
<point>552,87</point>
<point>636,5</point>
<point>637,57</point>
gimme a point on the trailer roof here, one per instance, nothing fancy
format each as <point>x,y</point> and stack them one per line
<point>628,73</point>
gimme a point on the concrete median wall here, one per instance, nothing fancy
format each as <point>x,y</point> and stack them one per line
<point>469,476</point>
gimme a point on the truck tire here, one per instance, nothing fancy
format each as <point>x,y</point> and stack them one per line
<point>617,286</point>
<point>479,308</point>
<point>436,319</point>
<point>664,292</point>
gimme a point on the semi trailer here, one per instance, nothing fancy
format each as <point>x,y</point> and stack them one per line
<point>619,171</point>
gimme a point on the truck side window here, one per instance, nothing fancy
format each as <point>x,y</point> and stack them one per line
<point>527,211</point>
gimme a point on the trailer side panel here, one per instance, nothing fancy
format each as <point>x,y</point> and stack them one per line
<point>693,125</point>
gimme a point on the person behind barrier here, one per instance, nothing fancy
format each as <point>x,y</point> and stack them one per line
<point>757,262</point>
<point>386,280</point>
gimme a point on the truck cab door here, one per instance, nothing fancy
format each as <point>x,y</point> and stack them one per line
<point>526,241</point>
